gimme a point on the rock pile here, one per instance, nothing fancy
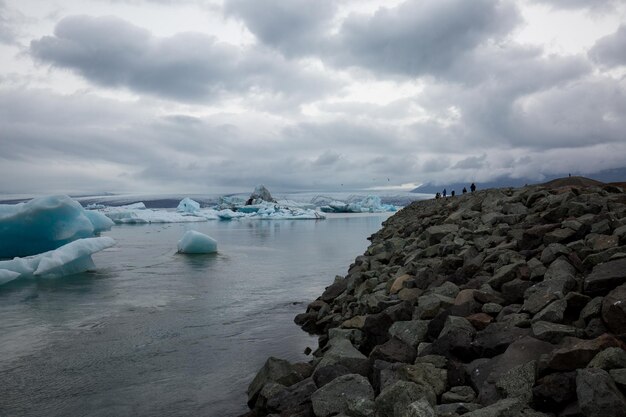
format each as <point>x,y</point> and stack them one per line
<point>502,303</point>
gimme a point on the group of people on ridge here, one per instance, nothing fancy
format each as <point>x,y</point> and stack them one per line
<point>445,193</point>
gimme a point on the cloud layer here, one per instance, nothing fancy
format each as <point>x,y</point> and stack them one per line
<point>320,95</point>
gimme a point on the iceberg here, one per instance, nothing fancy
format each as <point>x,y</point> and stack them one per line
<point>72,258</point>
<point>369,204</point>
<point>195,242</point>
<point>46,223</point>
<point>187,205</point>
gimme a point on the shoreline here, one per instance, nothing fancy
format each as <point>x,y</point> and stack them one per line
<point>471,305</point>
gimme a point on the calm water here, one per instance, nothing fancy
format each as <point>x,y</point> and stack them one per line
<point>155,333</point>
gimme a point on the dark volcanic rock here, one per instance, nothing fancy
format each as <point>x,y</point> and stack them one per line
<point>496,338</point>
<point>394,350</point>
<point>614,309</point>
<point>576,353</point>
<point>347,393</point>
<point>553,392</point>
<point>597,394</point>
<point>605,277</point>
<point>275,370</point>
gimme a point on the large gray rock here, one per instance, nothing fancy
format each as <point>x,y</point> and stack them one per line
<point>541,294</point>
<point>459,394</point>
<point>610,358</point>
<point>505,274</point>
<point>341,352</point>
<point>426,375</point>
<point>554,333</point>
<point>274,370</point>
<point>508,407</point>
<point>420,408</point>
<point>577,353</point>
<point>395,399</point>
<point>614,310</point>
<point>597,394</point>
<point>518,382</point>
<point>605,277</point>
<point>294,398</point>
<point>345,394</point>
<point>410,332</point>
<point>434,234</point>
<point>554,391</point>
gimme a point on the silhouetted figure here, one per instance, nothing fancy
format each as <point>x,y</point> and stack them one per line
<point>464,190</point>
<point>437,196</point>
<point>452,193</point>
<point>444,192</point>
<point>473,187</point>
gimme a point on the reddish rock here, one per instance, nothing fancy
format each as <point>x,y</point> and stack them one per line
<point>480,320</point>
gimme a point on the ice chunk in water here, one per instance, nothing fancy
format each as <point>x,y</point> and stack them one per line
<point>196,242</point>
<point>72,258</point>
<point>187,205</point>
<point>45,223</point>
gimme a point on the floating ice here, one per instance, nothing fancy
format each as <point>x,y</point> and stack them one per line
<point>187,205</point>
<point>72,258</point>
<point>196,242</point>
<point>46,223</point>
<point>369,204</point>
<point>270,211</point>
<point>124,215</point>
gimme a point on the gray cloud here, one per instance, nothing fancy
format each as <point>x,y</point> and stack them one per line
<point>187,66</point>
<point>295,27</point>
<point>596,5</point>
<point>610,51</point>
<point>422,37</point>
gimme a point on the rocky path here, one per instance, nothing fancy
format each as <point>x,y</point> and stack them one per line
<point>501,303</point>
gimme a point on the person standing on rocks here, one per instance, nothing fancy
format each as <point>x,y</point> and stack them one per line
<point>444,192</point>
<point>464,190</point>
<point>473,187</point>
<point>452,193</point>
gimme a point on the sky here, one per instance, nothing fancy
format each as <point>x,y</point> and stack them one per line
<point>211,96</point>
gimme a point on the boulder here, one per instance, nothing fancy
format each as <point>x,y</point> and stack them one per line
<point>399,282</point>
<point>410,332</point>
<point>342,352</point>
<point>518,382</point>
<point>334,290</point>
<point>605,277</point>
<point>554,391</point>
<point>460,394</point>
<point>394,350</point>
<point>274,370</point>
<point>505,274</point>
<point>597,394</point>
<point>396,398</point>
<point>554,333</point>
<point>344,394</point>
<point>614,310</point>
<point>420,408</point>
<point>507,407</point>
<point>427,375</point>
<point>610,358</point>
<point>324,374</point>
<point>541,294</point>
<point>293,399</point>
<point>496,338</point>
<point>577,353</point>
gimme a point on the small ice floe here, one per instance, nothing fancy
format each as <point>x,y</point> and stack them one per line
<point>196,242</point>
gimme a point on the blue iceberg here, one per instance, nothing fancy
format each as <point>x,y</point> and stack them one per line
<point>187,205</point>
<point>72,258</point>
<point>46,223</point>
<point>196,242</point>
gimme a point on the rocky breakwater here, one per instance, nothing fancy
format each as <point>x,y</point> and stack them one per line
<point>508,302</point>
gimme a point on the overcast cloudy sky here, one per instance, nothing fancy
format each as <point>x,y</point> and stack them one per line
<point>216,96</point>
